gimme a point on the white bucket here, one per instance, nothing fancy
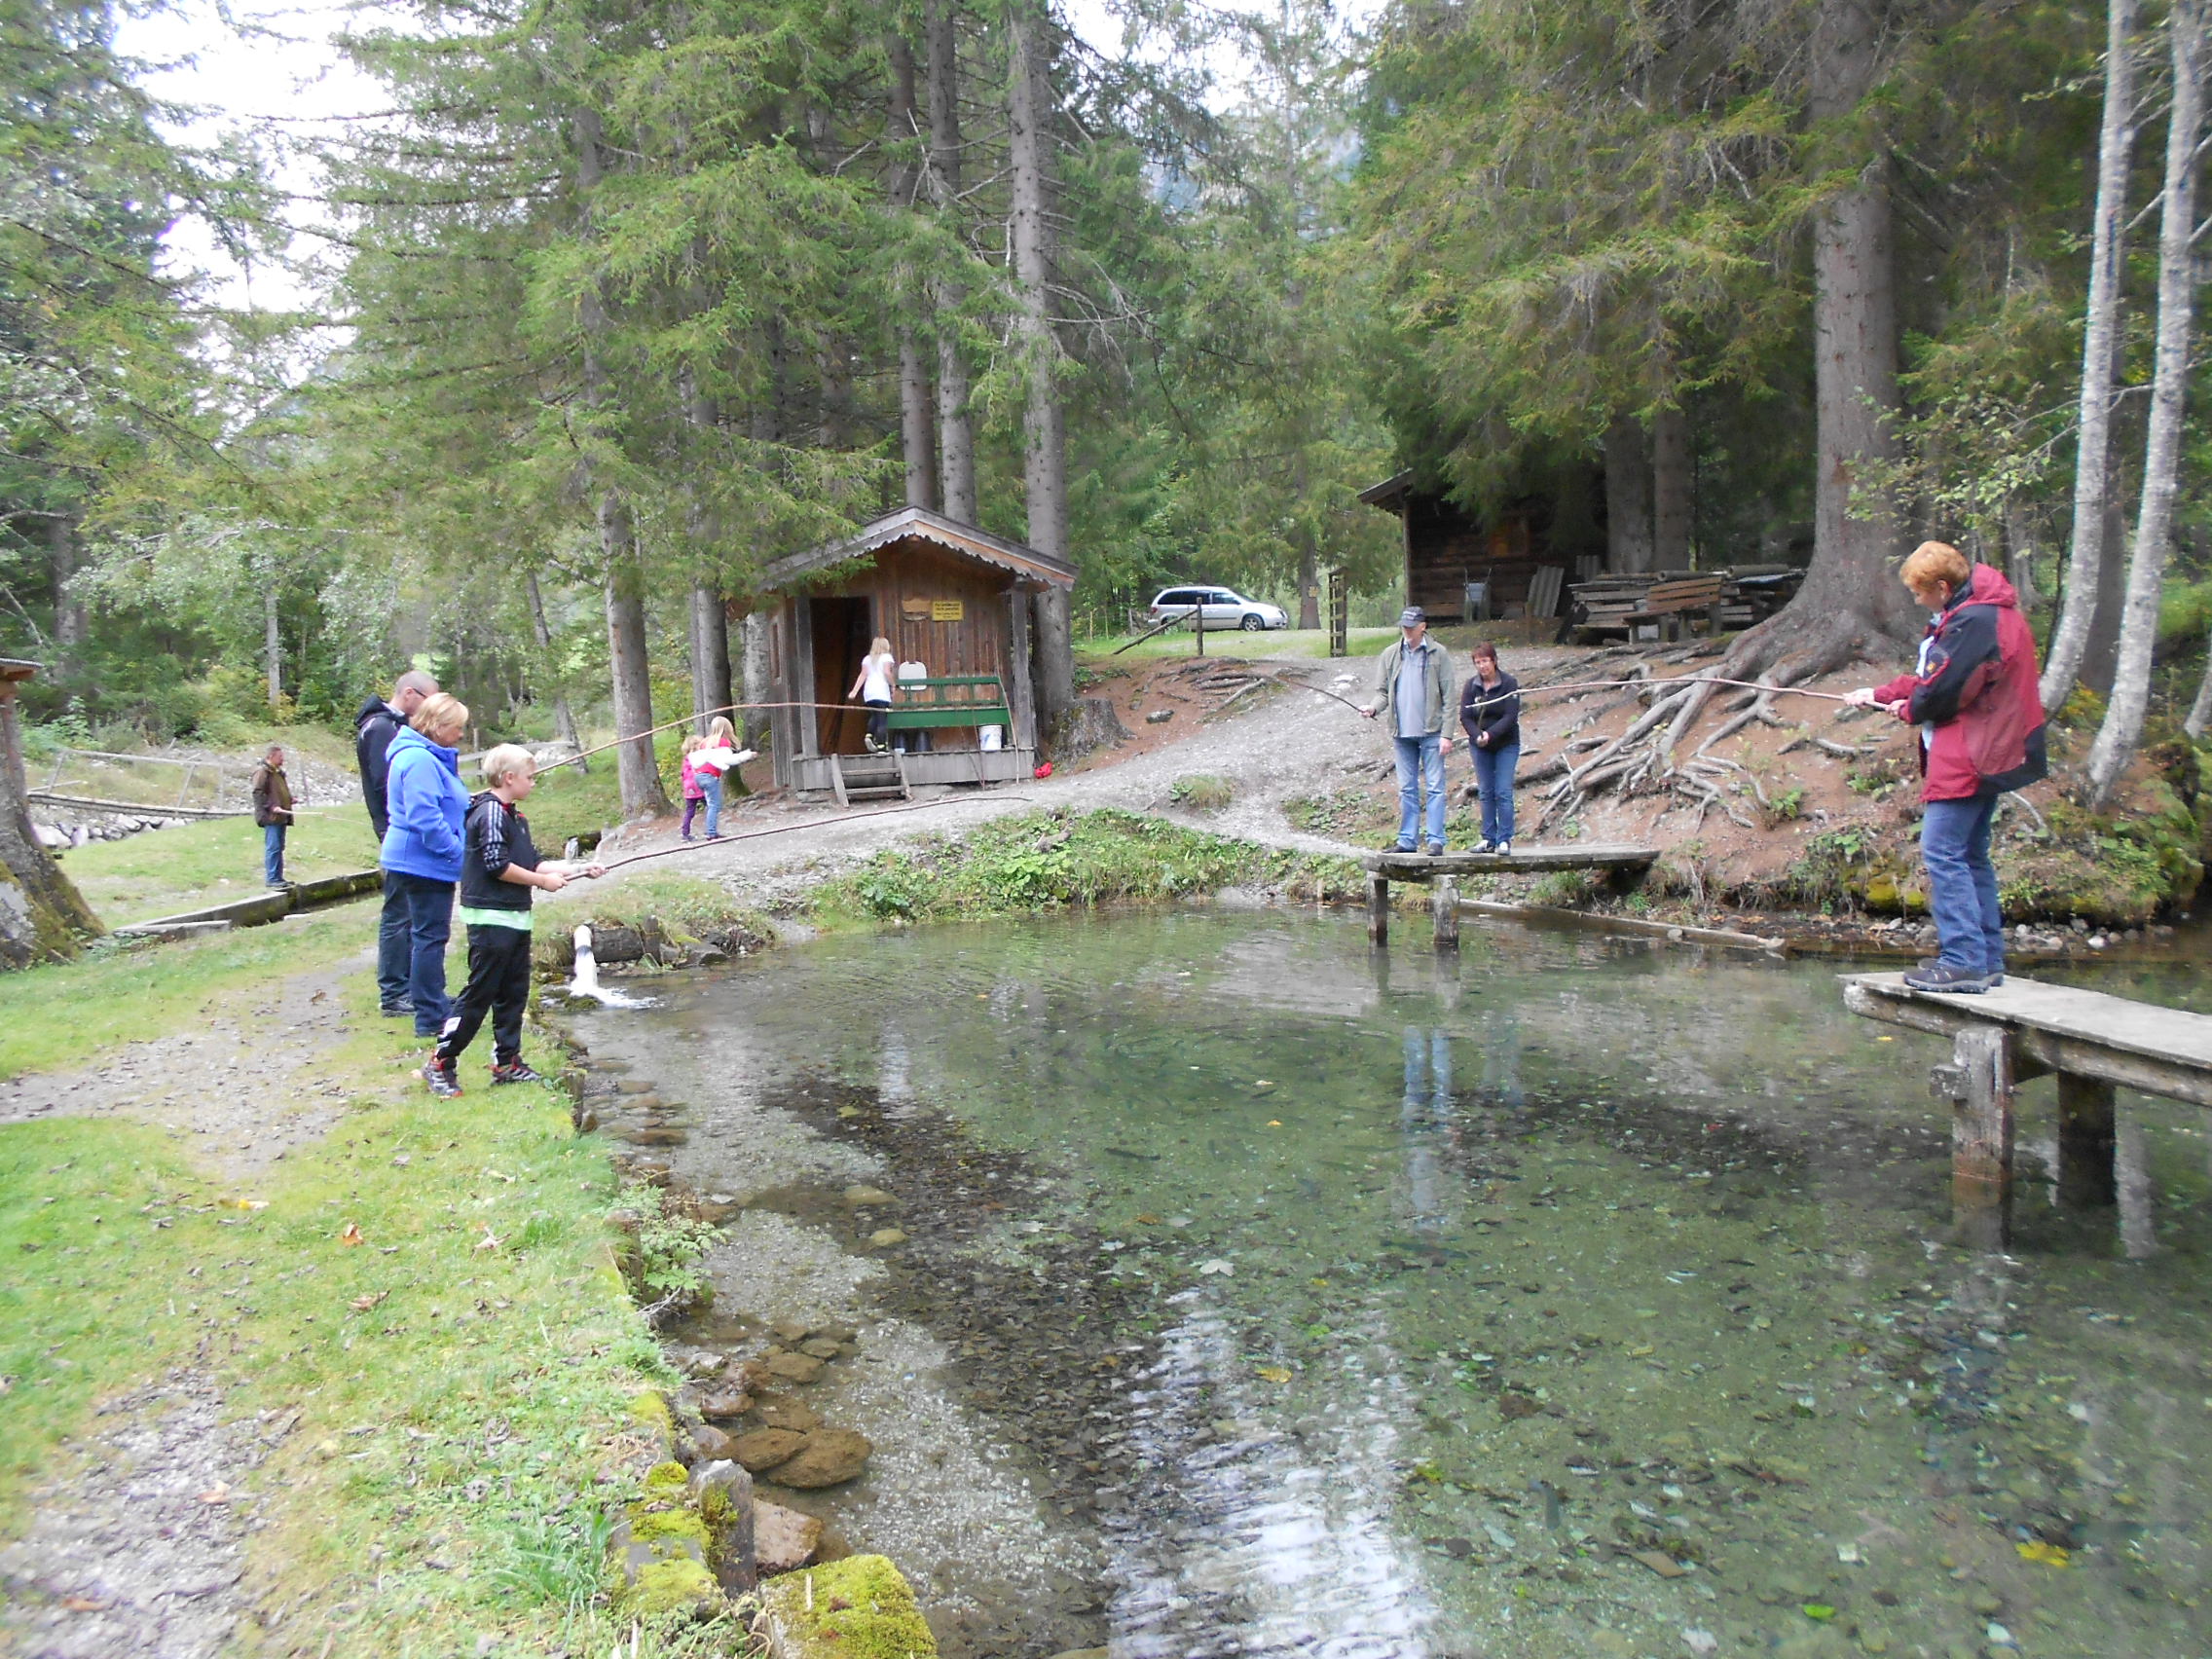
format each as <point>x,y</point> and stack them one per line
<point>991,738</point>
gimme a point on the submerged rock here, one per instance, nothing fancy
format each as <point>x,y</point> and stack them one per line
<point>724,1406</point>
<point>764,1447</point>
<point>829,1456</point>
<point>783,1411</point>
<point>795,1367</point>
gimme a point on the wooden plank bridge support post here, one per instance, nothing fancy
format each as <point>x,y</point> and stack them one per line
<point>2086,1141</point>
<point>1444,905</point>
<point>1378,909</point>
<point>1979,1083</point>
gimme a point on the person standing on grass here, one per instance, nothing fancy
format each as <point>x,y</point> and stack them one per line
<point>376,723</point>
<point>272,811</point>
<point>500,871</point>
<point>1412,680</point>
<point>1973,693</point>
<point>1490,711</point>
<point>421,845</point>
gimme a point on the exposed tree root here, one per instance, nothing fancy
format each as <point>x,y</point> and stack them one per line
<point>1789,647</point>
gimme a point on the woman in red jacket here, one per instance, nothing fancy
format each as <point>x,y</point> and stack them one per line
<point>1973,694</point>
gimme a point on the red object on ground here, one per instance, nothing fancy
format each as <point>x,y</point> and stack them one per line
<point>1044,770</point>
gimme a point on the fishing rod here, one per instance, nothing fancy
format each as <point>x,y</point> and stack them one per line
<point>1617,686</point>
<point>786,828</point>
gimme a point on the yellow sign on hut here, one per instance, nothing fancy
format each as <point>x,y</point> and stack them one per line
<point>947,609</point>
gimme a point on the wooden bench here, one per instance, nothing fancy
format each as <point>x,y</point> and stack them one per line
<point>1621,603</point>
<point>2024,1029</point>
<point>950,700</point>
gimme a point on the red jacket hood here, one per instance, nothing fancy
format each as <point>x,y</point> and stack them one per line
<point>1986,584</point>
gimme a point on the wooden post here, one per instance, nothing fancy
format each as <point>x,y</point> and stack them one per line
<point>2086,1177</point>
<point>1982,1118</point>
<point>1444,907</point>
<point>1020,694</point>
<point>1378,909</point>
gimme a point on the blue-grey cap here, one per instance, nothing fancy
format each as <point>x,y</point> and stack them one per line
<point>1412,616</point>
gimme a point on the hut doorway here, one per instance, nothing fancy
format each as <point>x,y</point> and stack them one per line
<point>841,640</point>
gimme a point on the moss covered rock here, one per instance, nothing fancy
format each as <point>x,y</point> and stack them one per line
<point>857,1608</point>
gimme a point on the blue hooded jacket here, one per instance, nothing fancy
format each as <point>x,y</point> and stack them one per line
<point>427,804</point>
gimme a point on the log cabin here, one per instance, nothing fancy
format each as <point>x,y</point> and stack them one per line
<point>1445,547</point>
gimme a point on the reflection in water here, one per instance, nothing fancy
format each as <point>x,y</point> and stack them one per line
<point>1562,1299</point>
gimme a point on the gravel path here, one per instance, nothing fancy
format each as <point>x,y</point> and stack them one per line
<point>1291,744</point>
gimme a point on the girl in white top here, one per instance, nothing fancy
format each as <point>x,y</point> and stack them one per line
<point>874,688</point>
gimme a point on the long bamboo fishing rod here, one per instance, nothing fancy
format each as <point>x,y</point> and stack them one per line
<point>786,828</point>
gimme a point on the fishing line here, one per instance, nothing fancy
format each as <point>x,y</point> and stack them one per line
<point>786,828</point>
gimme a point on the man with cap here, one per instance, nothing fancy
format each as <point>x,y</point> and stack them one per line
<point>1412,680</point>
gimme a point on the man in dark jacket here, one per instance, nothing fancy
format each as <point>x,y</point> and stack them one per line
<point>374,728</point>
<point>272,811</point>
<point>1973,694</point>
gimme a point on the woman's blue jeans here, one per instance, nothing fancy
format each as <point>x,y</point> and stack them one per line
<point>1962,884</point>
<point>713,781</point>
<point>1493,776</point>
<point>429,922</point>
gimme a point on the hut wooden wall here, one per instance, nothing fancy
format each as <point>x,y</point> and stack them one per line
<point>900,583</point>
<point>1446,549</point>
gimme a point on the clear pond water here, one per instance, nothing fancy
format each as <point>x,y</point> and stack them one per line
<point>1268,1296</point>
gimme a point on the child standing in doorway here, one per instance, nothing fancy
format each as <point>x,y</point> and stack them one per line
<point>694,783</point>
<point>500,871</point>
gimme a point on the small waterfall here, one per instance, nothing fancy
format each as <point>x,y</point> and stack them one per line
<point>585,980</point>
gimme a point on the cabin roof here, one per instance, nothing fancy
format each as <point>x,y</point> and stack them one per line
<point>15,668</point>
<point>1387,492</point>
<point>919,524</point>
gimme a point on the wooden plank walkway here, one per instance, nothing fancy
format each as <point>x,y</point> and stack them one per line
<point>2089,1041</point>
<point>1442,871</point>
<point>259,910</point>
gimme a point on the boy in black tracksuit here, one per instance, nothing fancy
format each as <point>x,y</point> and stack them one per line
<point>499,867</point>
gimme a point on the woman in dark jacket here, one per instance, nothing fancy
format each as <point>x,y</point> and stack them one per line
<point>1490,711</point>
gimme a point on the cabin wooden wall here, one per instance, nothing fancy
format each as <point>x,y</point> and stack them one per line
<point>899,582</point>
<point>1446,549</point>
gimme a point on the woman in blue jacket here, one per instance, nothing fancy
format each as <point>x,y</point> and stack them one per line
<point>426,803</point>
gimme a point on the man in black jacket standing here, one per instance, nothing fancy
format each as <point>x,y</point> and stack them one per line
<point>374,728</point>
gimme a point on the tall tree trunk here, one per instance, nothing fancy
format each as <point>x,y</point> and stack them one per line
<point>563,717</point>
<point>710,621</point>
<point>69,623</point>
<point>917,423</point>
<point>2100,336</point>
<point>2200,711</point>
<point>755,725</point>
<point>1628,498</point>
<point>955,427</point>
<point>1670,489</point>
<point>622,576</point>
<point>271,645</point>
<point>1044,467</point>
<point>2020,554</point>
<point>1851,600</point>
<point>917,402</point>
<point>43,918</point>
<point>2123,728</point>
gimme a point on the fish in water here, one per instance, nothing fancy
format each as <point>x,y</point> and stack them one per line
<point>1141,1157</point>
<point>1544,1490</point>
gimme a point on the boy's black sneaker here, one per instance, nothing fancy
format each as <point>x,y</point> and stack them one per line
<point>1962,980</point>
<point>440,1077</point>
<point>514,1071</point>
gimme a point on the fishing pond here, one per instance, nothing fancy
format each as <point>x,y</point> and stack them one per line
<point>1218,1286</point>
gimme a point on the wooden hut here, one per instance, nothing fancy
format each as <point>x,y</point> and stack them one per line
<point>947,595</point>
<point>1524,553</point>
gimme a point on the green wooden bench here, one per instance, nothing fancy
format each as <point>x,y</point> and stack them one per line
<point>950,700</point>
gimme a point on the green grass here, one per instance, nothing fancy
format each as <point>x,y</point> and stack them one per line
<point>463,1377</point>
<point>158,873</point>
<point>1047,860</point>
<point>67,1013</point>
